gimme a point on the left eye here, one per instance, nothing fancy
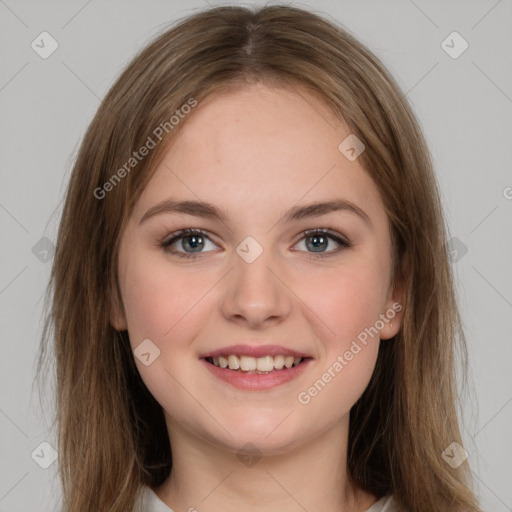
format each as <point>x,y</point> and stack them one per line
<point>316,240</point>
<point>319,239</point>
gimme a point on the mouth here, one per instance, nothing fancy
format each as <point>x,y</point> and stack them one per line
<point>256,365</point>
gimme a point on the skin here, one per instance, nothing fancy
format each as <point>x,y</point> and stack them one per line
<point>256,153</point>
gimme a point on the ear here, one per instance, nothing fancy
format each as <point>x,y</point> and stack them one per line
<point>394,310</point>
<point>117,314</point>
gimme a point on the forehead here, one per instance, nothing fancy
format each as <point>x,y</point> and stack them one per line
<point>261,149</point>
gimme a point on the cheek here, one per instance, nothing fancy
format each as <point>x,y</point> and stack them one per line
<point>158,299</point>
<point>164,305</point>
<point>346,303</point>
<point>347,300</point>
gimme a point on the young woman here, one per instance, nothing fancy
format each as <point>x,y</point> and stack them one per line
<point>252,305</point>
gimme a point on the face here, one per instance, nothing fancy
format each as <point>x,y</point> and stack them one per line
<point>252,277</point>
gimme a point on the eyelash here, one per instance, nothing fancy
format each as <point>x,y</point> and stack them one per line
<point>184,233</point>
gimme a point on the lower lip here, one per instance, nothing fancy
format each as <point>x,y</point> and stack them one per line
<point>257,381</point>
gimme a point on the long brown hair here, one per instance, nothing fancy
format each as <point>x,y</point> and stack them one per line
<point>112,435</point>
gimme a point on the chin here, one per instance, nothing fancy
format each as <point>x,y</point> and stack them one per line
<point>268,436</point>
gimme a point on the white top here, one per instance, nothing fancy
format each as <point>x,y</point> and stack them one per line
<point>152,503</point>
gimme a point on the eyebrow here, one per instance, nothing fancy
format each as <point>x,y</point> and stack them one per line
<point>210,211</point>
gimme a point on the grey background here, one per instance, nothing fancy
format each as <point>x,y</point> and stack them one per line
<point>463,104</point>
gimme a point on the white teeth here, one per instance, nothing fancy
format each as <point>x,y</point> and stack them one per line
<point>234,362</point>
<point>247,363</point>
<point>259,364</point>
<point>265,364</point>
<point>278,362</point>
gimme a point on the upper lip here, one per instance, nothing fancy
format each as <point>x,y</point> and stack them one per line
<point>254,351</point>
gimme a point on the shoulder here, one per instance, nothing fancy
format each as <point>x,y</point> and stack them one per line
<point>385,504</point>
<point>150,502</point>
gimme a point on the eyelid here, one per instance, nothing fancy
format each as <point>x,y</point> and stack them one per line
<point>340,238</point>
<point>184,233</point>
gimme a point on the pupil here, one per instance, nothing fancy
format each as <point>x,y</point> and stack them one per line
<point>196,241</point>
<point>318,239</point>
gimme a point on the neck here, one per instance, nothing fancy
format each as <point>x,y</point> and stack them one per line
<point>311,475</point>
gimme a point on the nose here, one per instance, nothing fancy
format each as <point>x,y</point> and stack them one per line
<point>255,294</point>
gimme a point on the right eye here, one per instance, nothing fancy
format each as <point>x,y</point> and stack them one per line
<point>190,238</point>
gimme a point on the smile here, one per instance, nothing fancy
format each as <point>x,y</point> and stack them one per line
<point>256,373</point>
<point>258,365</point>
